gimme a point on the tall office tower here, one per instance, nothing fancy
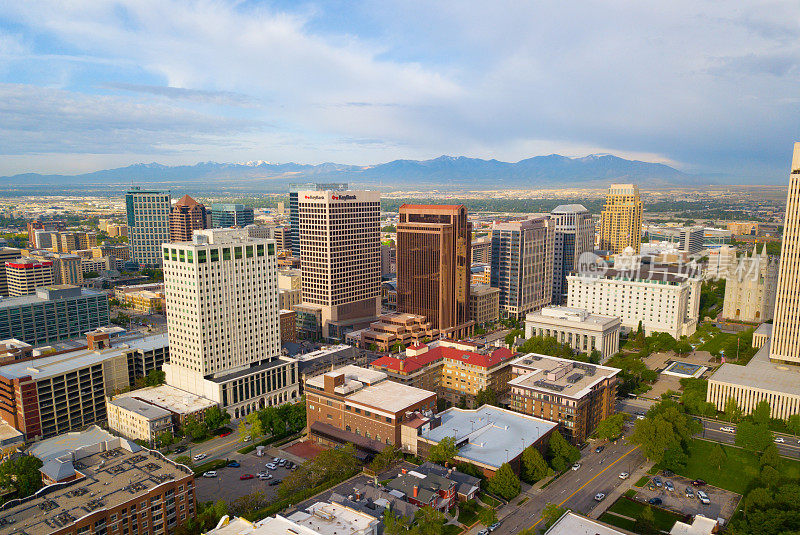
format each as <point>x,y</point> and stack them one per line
<point>26,274</point>
<point>433,266</point>
<point>222,317</point>
<point>574,235</point>
<point>621,219</point>
<point>42,224</point>
<point>225,215</point>
<point>691,239</point>
<point>340,245</point>
<point>186,216</point>
<point>522,264</point>
<point>148,224</point>
<point>294,212</point>
<point>785,343</point>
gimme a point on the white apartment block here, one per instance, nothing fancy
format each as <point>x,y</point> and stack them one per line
<point>24,275</point>
<point>341,250</point>
<point>223,321</point>
<point>148,224</point>
<point>137,420</point>
<point>577,328</point>
<point>663,299</point>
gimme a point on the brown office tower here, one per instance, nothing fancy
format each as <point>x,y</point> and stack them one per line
<point>186,216</point>
<point>434,252</point>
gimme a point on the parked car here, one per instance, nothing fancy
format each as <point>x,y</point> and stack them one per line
<point>245,476</point>
<point>276,459</point>
<point>282,462</point>
<point>655,501</point>
<point>274,482</point>
<point>210,473</point>
<point>698,483</point>
<point>658,482</point>
<point>598,449</point>
<point>576,466</point>
<point>669,486</point>
<point>234,464</point>
<point>779,440</point>
<point>225,434</point>
<point>599,497</point>
<point>272,466</point>
<point>289,465</point>
<point>180,449</point>
<point>640,417</point>
<point>668,473</point>
<point>494,526</point>
<point>483,532</point>
<point>624,475</point>
<point>199,456</point>
<point>703,497</point>
<point>247,438</point>
<point>689,492</point>
<point>727,429</point>
<point>264,477</point>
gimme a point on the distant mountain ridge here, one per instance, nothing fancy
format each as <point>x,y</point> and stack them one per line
<point>444,171</point>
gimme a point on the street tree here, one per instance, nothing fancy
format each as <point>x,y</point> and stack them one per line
<point>561,453</point>
<point>534,467</point>
<point>761,412</point>
<point>504,483</point>
<point>732,411</point>
<point>22,474</point>
<point>443,452</point>
<point>551,513</point>
<point>611,427</point>
<point>487,516</point>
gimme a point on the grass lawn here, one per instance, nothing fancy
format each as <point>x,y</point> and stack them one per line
<point>740,469</point>
<point>664,519</point>
<point>642,482</point>
<point>451,529</point>
<point>617,521</point>
<point>488,500</point>
<point>523,500</point>
<point>469,517</point>
<point>653,471</point>
<point>630,493</point>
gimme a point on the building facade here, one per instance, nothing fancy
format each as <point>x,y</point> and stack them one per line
<point>522,265</point>
<point>397,328</point>
<point>692,239</point>
<point>186,216</point>
<point>482,250</point>
<point>148,224</point>
<point>223,319</point>
<point>6,254</point>
<point>751,287</point>
<point>25,275</point>
<point>582,331</point>
<point>138,420</point>
<point>433,266</point>
<point>484,304</point>
<point>226,215</point>
<point>341,266</point>
<point>294,208</point>
<point>621,219</point>
<point>49,225</point>
<point>576,395</point>
<point>573,236</point>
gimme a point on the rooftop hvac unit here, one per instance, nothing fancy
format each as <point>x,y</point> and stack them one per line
<point>574,378</point>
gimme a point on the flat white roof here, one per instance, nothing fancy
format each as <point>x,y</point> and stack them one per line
<point>759,373</point>
<point>572,524</point>
<point>572,379</point>
<point>571,317</point>
<point>390,396</point>
<point>351,373</point>
<point>170,398</point>
<point>151,412</point>
<point>322,352</point>
<point>489,435</point>
<point>333,519</point>
<point>52,366</point>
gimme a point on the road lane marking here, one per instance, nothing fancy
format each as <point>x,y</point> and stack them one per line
<point>582,486</point>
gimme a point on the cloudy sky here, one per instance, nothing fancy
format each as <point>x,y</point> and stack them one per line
<point>706,86</point>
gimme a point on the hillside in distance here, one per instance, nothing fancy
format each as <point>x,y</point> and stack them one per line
<point>446,172</point>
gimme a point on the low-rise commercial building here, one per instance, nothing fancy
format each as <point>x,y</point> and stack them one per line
<point>397,328</point>
<point>579,329</point>
<point>106,485</point>
<point>576,395</point>
<point>137,420</point>
<point>145,301</point>
<point>484,303</point>
<point>322,518</point>
<point>417,366</point>
<point>54,313</point>
<point>179,403</point>
<point>574,524</point>
<point>358,405</point>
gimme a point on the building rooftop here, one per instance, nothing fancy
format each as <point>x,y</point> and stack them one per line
<point>568,209</point>
<point>390,396</point>
<point>115,471</point>
<point>700,525</point>
<point>333,519</point>
<point>9,435</point>
<point>573,524</point>
<point>149,411</point>
<point>169,398</point>
<point>322,352</point>
<point>408,363</point>
<point>59,446</point>
<point>44,367</point>
<point>355,377</point>
<point>760,373</point>
<point>489,435</point>
<point>565,377</point>
<point>482,289</point>
<point>148,343</point>
<point>576,317</point>
<point>484,359</point>
<point>34,299</point>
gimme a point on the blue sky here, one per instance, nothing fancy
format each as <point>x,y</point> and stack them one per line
<point>706,86</point>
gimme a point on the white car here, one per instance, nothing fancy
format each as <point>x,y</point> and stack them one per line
<point>703,497</point>
<point>248,438</point>
<point>779,440</point>
<point>272,466</point>
<point>640,417</point>
<point>624,475</point>
<point>264,477</point>
<point>576,466</point>
<point>599,497</point>
<point>727,429</point>
<point>199,456</point>
<point>210,473</point>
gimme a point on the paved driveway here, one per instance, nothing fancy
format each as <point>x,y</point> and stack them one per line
<point>723,502</point>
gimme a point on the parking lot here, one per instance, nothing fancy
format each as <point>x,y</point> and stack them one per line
<point>227,485</point>
<point>723,502</point>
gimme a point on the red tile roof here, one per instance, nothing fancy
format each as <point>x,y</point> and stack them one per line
<point>412,364</point>
<point>478,359</point>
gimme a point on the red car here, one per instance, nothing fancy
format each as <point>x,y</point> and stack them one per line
<point>223,435</point>
<point>246,476</point>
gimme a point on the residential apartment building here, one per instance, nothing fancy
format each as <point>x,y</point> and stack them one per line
<point>433,266</point>
<point>573,236</point>
<point>397,328</point>
<point>52,314</point>
<point>662,298</point>
<point>484,304</point>
<point>45,225</point>
<point>417,366</point>
<point>186,216</point>
<point>25,275</point>
<point>482,250</point>
<point>576,395</point>
<point>522,264</point>
<point>341,261</point>
<point>294,208</point>
<point>223,320</point>
<point>226,215</point>
<point>107,485</point>
<point>621,219</point>
<point>751,287</point>
<point>358,405</point>
<point>67,267</point>
<point>469,369</point>
<point>582,331</point>
<point>138,420</point>
<point>148,224</point>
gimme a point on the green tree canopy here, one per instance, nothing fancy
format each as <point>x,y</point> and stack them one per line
<point>560,453</point>
<point>753,436</point>
<point>761,412</point>
<point>486,397</point>
<point>22,474</point>
<point>215,418</point>
<point>551,513</point>
<point>534,466</point>
<point>611,427</point>
<point>443,452</point>
<point>504,483</point>
<point>717,457</point>
<point>487,516</point>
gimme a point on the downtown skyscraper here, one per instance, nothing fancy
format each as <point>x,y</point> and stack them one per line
<point>621,219</point>
<point>574,235</point>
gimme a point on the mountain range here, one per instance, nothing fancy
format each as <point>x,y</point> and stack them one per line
<point>444,172</point>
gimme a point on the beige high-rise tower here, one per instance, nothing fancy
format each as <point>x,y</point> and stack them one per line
<point>785,344</point>
<point>621,219</point>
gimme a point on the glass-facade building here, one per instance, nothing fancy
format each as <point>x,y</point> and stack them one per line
<point>231,215</point>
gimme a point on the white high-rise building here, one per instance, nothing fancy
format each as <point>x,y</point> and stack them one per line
<point>574,235</point>
<point>222,317</point>
<point>148,224</point>
<point>340,245</point>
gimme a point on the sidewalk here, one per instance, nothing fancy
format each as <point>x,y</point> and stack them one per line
<point>618,491</point>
